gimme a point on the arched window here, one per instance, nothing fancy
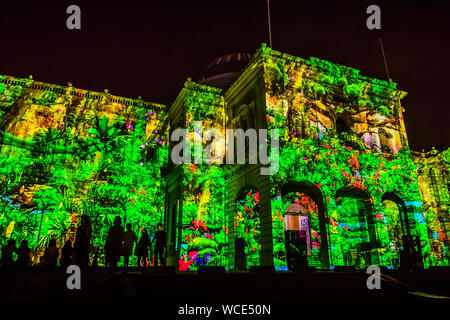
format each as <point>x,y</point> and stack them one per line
<point>341,126</point>
<point>393,238</point>
<point>352,228</point>
<point>298,217</point>
<point>301,216</point>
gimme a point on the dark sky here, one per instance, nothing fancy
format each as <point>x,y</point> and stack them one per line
<point>149,48</point>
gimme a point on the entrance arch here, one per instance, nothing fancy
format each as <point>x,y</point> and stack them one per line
<point>410,251</point>
<point>309,196</point>
<point>353,235</point>
<point>394,225</point>
<point>393,197</point>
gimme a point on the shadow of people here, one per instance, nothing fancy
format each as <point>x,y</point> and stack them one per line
<point>24,254</point>
<point>7,263</point>
<point>50,258</point>
<point>129,239</point>
<point>160,245</point>
<point>82,242</point>
<point>113,245</point>
<point>142,250</point>
<point>67,254</point>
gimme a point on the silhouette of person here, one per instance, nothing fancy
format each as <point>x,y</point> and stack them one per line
<point>23,256</point>
<point>113,243</point>
<point>82,242</point>
<point>51,255</point>
<point>7,254</point>
<point>160,245</point>
<point>129,239</point>
<point>67,254</point>
<point>142,248</point>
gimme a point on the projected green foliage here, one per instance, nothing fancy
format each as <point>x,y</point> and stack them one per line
<point>95,163</point>
<point>312,150</point>
<point>247,224</point>
<point>204,234</point>
<point>433,181</point>
<point>392,238</point>
<point>353,232</point>
<point>311,210</point>
<point>72,152</point>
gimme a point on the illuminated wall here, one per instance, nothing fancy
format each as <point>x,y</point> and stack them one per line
<point>201,233</point>
<point>247,225</point>
<point>434,188</point>
<point>344,133</point>
<point>66,151</point>
<point>344,158</point>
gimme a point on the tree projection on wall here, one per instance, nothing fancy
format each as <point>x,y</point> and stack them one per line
<point>68,154</point>
<point>204,230</point>
<point>247,224</point>
<point>352,235</point>
<point>204,235</point>
<point>393,224</point>
<point>309,209</point>
<point>301,102</point>
<point>434,189</point>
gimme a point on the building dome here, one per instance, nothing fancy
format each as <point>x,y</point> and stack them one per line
<point>223,71</point>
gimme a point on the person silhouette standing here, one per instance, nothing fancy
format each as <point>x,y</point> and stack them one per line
<point>67,254</point>
<point>129,239</point>
<point>23,256</point>
<point>82,242</point>
<point>7,254</point>
<point>142,249</point>
<point>51,254</point>
<point>113,243</point>
<point>160,245</point>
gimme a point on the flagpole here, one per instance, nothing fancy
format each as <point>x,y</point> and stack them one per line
<point>268,17</point>
<point>384,57</point>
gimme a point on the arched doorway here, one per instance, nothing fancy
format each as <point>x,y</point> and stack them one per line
<point>405,246</point>
<point>247,224</point>
<point>393,224</point>
<point>302,203</point>
<point>302,230</point>
<point>352,229</point>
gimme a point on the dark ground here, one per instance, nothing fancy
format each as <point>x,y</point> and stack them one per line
<point>152,293</point>
<point>210,286</point>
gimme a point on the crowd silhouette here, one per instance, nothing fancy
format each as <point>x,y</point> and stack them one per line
<point>120,243</point>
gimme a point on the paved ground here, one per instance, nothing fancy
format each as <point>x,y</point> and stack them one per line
<point>231,285</point>
<point>163,295</point>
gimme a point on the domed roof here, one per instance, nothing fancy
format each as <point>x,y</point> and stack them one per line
<point>222,71</point>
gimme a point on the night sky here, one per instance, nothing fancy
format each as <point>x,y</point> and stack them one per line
<point>150,48</point>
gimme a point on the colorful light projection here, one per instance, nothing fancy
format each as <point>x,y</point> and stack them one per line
<point>352,237</point>
<point>67,152</point>
<point>434,190</point>
<point>204,234</point>
<point>321,143</point>
<point>394,225</point>
<point>309,209</point>
<point>247,223</point>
